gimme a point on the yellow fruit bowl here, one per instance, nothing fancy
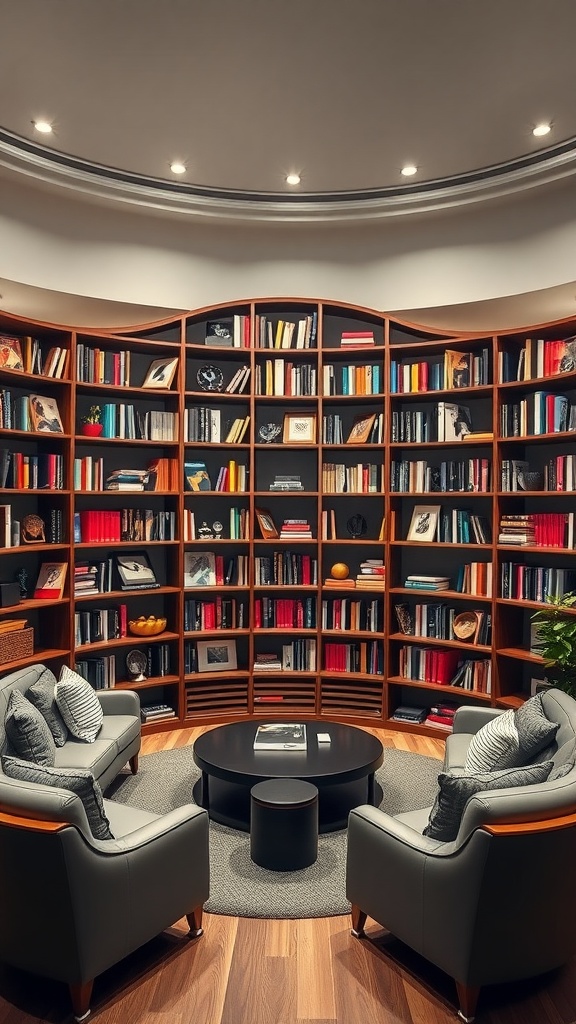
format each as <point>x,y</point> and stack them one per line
<point>147,627</point>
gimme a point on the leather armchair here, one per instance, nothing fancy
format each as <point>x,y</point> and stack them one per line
<point>97,900</point>
<point>495,905</point>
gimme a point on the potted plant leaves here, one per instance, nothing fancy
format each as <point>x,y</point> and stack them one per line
<point>556,641</point>
<point>91,425</point>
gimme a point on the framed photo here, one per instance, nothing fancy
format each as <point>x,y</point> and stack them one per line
<point>266,523</point>
<point>51,580</point>
<point>196,477</point>
<point>44,414</point>
<point>10,353</point>
<point>135,570</point>
<point>161,372</point>
<point>216,655</point>
<point>361,429</point>
<point>299,428</point>
<point>199,569</point>
<point>220,333</point>
<point>424,522</point>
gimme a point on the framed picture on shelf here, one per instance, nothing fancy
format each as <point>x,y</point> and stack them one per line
<point>299,428</point>
<point>266,523</point>
<point>10,353</point>
<point>161,372</point>
<point>44,414</point>
<point>216,655</point>
<point>361,429</point>
<point>50,582</point>
<point>135,571</point>
<point>423,523</point>
<point>196,477</point>
<point>199,569</point>
<point>220,333</point>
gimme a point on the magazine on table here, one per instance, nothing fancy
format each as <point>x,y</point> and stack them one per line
<point>280,736</point>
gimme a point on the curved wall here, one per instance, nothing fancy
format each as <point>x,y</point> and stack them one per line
<point>54,241</point>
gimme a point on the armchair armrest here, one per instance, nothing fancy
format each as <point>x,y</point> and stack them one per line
<point>470,719</point>
<point>153,830</point>
<point>119,702</point>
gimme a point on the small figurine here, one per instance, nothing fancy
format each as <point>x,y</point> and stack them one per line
<point>22,579</point>
<point>32,530</point>
<point>218,528</point>
<point>205,533</point>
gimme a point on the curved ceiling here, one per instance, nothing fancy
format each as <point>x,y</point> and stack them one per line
<point>244,92</point>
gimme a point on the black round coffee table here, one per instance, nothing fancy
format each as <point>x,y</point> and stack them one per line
<point>343,770</point>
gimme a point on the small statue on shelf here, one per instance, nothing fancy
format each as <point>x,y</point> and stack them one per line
<point>22,580</point>
<point>33,530</point>
<point>205,533</point>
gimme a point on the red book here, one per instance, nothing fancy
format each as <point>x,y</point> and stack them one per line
<point>258,613</point>
<point>219,567</point>
<point>123,615</point>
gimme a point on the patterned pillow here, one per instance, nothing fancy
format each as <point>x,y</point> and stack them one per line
<point>41,695</point>
<point>27,731</point>
<point>78,705</point>
<point>78,780</point>
<point>456,790</point>
<point>511,739</point>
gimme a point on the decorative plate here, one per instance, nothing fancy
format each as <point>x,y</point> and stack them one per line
<point>210,378</point>
<point>269,432</point>
<point>465,625</point>
<point>356,525</point>
<point>136,662</point>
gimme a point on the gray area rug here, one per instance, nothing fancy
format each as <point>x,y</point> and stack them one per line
<point>239,887</point>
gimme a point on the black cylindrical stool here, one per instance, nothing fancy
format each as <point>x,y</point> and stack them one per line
<point>284,824</point>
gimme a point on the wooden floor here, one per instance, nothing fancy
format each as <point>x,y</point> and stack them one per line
<point>245,971</point>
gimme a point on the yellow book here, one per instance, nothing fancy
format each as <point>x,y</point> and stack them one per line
<point>414,377</point>
<point>279,333</point>
<point>232,475</point>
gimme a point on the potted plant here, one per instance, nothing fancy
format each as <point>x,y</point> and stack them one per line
<point>556,641</point>
<point>91,425</point>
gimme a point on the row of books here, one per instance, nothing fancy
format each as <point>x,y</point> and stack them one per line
<point>352,379</point>
<point>437,620</point>
<point>461,526</point>
<point>419,475</point>
<point>96,625</point>
<point>209,426</point>
<point>102,366</point>
<point>238,523</point>
<point>446,421</point>
<point>297,656</point>
<point>363,656</point>
<point>281,377</point>
<point>89,475</point>
<point>126,421</point>
<point>362,478</point>
<point>13,533</point>
<point>232,476</point>
<point>540,413</point>
<point>366,429</point>
<point>29,413</point>
<point>343,613</point>
<point>454,370</point>
<point>285,568</point>
<point>21,471</point>
<point>219,613</point>
<point>28,355</point>
<point>285,333</point>
<point>206,569</point>
<point>538,357</point>
<point>285,613</point>
<point>126,524</point>
<point>521,582</point>
<point>538,529</point>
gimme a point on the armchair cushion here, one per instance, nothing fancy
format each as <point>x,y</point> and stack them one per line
<point>27,731</point>
<point>455,791</point>
<point>77,780</point>
<point>79,705</point>
<point>42,696</point>
<point>511,739</point>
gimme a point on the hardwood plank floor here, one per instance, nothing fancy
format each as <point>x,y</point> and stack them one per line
<point>250,971</point>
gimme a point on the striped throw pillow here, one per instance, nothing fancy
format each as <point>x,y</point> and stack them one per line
<point>77,780</point>
<point>78,705</point>
<point>511,739</point>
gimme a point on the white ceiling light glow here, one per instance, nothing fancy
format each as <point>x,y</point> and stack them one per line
<point>43,126</point>
<point>541,129</point>
<point>292,179</point>
<point>177,167</point>
<point>409,170</point>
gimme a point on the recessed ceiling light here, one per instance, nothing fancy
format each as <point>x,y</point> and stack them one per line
<point>177,167</point>
<point>409,170</point>
<point>541,129</point>
<point>292,179</point>
<point>43,126</point>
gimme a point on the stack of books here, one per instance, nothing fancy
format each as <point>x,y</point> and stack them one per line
<point>284,482</point>
<point>356,339</point>
<point>156,713</point>
<point>441,716</point>
<point>127,480</point>
<point>409,714</point>
<point>267,663</point>
<point>296,528</point>
<point>519,529</point>
<point>417,582</point>
<point>339,584</point>
<point>372,575</point>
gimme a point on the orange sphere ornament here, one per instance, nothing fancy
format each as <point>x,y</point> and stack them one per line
<point>339,571</point>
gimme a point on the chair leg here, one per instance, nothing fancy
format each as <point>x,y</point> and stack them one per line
<point>358,921</point>
<point>467,998</point>
<point>80,996</point>
<point>194,919</point>
<point>134,764</point>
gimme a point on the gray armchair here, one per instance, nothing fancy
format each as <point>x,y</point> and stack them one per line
<point>497,904</point>
<point>97,900</point>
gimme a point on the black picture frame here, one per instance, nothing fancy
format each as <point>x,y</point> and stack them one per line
<point>134,570</point>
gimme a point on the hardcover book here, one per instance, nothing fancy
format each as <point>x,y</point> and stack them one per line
<point>44,414</point>
<point>196,477</point>
<point>280,736</point>
<point>199,569</point>
<point>50,582</point>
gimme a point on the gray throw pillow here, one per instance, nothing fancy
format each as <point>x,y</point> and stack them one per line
<point>41,695</point>
<point>27,731</point>
<point>78,780</point>
<point>511,739</point>
<point>79,705</point>
<point>455,791</point>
